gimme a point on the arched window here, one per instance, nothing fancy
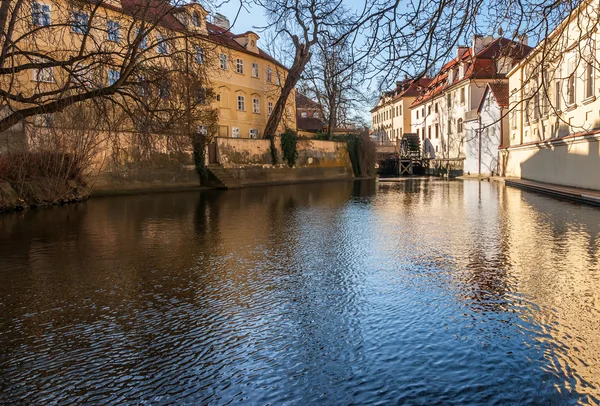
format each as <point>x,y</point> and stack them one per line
<point>195,19</point>
<point>459,125</point>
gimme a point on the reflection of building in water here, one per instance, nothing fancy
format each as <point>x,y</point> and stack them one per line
<point>560,274</point>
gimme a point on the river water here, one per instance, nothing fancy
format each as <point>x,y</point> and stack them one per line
<point>421,291</point>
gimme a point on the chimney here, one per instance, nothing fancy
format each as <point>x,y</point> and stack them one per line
<point>523,40</point>
<point>460,51</point>
<point>221,21</point>
<point>480,42</point>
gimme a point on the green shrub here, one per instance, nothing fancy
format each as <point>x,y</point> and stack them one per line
<point>289,147</point>
<point>362,151</point>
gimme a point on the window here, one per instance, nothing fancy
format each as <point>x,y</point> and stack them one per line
<point>418,133</point>
<point>113,30</point>
<point>241,103</point>
<point>223,61</point>
<point>400,131</point>
<point>143,86</point>
<point>449,100</point>
<point>199,54</point>
<point>571,89</point>
<point>545,84</point>
<point>143,41</point>
<point>437,130</point>
<point>400,109</point>
<point>235,132</point>
<point>571,82</point>
<point>436,108</point>
<point>195,19</point>
<point>40,14</point>
<point>429,132</point>
<point>429,110</point>
<point>449,126</point>
<point>253,133</point>
<point>589,79</point>
<point>278,79</point>
<point>254,70</point>
<point>526,113</point>
<point>113,76</point>
<point>44,75</point>
<point>316,114</point>
<point>163,45</point>
<point>417,114</point>
<point>462,95</point>
<point>239,65</point>
<point>80,22</point>
<point>270,107</point>
<point>255,105</point>
<point>219,97</point>
<point>536,104</point>
<point>557,95</point>
<point>164,90</point>
<point>459,125</point>
<point>269,75</point>
<point>200,96</point>
<point>303,114</point>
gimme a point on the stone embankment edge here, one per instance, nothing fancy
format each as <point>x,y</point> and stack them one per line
<point>584,196</point>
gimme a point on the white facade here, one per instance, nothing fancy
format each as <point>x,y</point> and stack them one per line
<point>555,106</point>
<point>454,95</point>
<point>483,136</point>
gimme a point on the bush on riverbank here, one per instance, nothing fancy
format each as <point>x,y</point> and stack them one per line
<point>362,151</point>
<point>31,179</point>
<point>289,147</point>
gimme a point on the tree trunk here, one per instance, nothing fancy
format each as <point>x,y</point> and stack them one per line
<point>294,74</point>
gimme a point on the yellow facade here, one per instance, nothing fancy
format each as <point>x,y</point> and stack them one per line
<point>243,92</point>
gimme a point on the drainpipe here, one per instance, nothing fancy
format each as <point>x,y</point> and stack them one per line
<point>480,131</point>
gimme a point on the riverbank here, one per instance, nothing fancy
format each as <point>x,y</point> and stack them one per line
<point>40,192</point>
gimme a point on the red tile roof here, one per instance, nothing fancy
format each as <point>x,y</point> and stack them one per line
<point>480,66</point>
<point>162,11</point>
<point>303,102</point>
<point>500,92</point>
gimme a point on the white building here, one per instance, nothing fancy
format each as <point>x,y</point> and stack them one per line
<point>554,106</point>
<point>454,95</point>
<point>487,131</point>
<point>391,116</point>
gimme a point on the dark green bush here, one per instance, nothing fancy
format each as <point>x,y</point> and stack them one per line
<point>362,151</point>
<point>289,147</point>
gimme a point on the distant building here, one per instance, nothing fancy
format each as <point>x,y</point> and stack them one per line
<point>453,96</point>
<point>391,116</point>
<point>309,119</point>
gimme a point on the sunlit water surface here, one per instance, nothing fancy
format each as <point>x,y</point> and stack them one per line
<point>421,291</point>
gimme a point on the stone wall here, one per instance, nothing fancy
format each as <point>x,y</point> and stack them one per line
<point>249,161</point>
<point>244,152</point>
<point>571,161</point>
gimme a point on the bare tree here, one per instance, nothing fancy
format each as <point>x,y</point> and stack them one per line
<point>301,23</point>
<point>335,78</point>
<point>55,55</point>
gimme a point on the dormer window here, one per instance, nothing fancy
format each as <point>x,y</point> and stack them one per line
<point>195,19</point>
<point>461,71</point>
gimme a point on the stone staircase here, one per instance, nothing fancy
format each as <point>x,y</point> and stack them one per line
<point>221,178</point>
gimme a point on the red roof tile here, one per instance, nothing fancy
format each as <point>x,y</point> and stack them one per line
<point>480,66</point>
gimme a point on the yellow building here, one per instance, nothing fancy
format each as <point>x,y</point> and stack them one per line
<point>247,83</point>
<point>73,49</point>
<point>554,112</point>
